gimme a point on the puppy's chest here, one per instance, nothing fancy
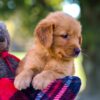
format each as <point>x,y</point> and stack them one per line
<point>61,67</point>
<point>53,63</point>
<point>45,59</point>
<point>49,63</point>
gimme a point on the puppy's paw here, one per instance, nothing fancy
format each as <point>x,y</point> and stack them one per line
<point>40,82</point>
<point>22,81</point>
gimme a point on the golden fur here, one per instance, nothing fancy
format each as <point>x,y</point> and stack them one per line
<point>52,55</point>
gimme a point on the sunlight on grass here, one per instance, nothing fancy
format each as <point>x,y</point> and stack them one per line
<point>19,54</point>
<point>79,71</point>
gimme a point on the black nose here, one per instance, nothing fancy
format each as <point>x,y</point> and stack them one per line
<point>2,39</point>
<point>76,51</point>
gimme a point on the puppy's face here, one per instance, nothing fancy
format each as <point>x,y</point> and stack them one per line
<point>61,35</point>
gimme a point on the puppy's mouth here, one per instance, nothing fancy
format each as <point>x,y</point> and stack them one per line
<point>67,54</point>
<point>71,55</point>
<point>64,55</point>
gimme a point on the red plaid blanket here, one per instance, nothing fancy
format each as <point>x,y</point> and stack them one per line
<point>61,89</point>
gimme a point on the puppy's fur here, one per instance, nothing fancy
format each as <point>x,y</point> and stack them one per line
<point>52,55</point>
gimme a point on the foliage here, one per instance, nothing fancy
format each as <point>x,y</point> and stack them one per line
<point>25,14</point>
<point>27,11</point>
<point>90,19</point>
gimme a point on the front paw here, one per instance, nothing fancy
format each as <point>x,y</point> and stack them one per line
<point>40,82</point>
<point>23,80</point>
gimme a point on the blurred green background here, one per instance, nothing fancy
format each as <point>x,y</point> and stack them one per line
<point>21,17</point>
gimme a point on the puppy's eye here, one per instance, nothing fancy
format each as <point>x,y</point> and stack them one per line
<point>64,36</point>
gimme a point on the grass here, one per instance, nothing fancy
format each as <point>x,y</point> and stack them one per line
<point>79,71</point>
<point>19,54</point>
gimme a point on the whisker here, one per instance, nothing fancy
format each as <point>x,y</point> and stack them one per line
<point>84,50</point>
<point>85,54</point>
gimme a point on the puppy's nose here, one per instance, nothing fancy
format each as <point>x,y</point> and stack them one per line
<point>2,39</point>
<point>76,51</point>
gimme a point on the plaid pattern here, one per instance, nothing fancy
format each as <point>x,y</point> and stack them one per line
<point>61,89</point>
<point>7,91</point>
<point>8,64</point>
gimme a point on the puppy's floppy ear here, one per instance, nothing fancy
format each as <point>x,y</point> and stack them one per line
<point>44,32</point>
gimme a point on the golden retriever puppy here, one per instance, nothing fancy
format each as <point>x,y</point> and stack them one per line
<point>57,42</point>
